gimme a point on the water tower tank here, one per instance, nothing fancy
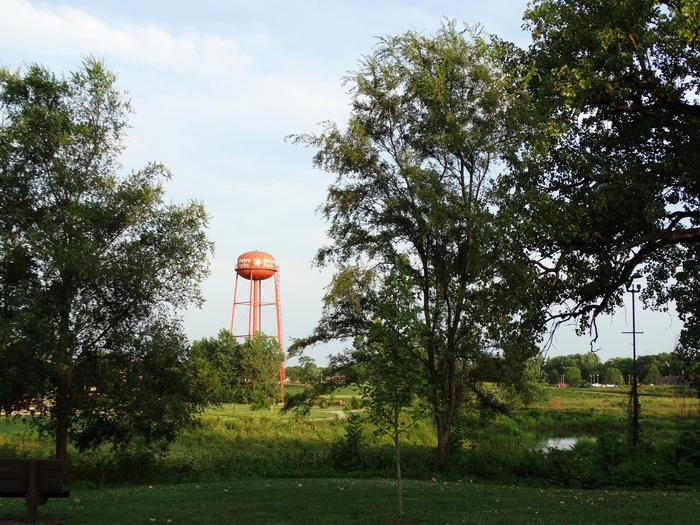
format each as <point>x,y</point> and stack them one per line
<point>256,266</point>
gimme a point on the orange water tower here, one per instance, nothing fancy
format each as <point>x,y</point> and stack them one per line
<point>256,307</point>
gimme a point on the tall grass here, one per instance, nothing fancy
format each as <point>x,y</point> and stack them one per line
<point>233,442</point>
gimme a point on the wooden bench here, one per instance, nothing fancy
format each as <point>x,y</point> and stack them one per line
<point>35,480</point>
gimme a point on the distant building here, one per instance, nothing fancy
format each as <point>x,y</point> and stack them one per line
<point>671,380</point>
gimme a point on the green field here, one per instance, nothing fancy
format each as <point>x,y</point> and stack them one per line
<point>243,466</point>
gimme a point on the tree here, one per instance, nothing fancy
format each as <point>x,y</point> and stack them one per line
<point>572,375</point>
<point>652,374</point>
<point>525,386</point>
<point>606,177</point>
<point>94,267</point>
<point>613,376</point>
<point>221,361</point>
<point>554,377</point>
<point>240,372</point>
<point>623,364</point>
<point>309,371</point>
<point>391,359</point>
<point>261,366</point>
<point>412,168</point>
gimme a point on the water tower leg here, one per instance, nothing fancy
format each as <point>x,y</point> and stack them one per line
<point>233,310</point>
<point>279,330</point>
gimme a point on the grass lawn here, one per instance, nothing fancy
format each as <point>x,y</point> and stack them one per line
<point>346,391</point>
<point>656,401</point>
<point>221,472</point>
<point>311,501</point>
<point>15,428</point>
<point>240,411</point>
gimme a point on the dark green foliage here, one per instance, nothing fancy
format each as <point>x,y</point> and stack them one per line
<point>94,267</point>
<point>235,372</point>
<point>572,375</point>
<point>554,377</point>
<point>688,447</point>
<point>496,450</point>
<point>261,365</point>
<point>651,374</point>
<point>605,179</point>
<point>347,451</point>
<point>239,372</point>
<point>412,171</point>
<point>219,362</point>
<point>587,363</point>
<point>613,376</point>
<point>152,387</point>
<point>310,373</point>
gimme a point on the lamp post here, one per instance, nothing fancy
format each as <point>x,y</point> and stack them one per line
<point>634,392</point>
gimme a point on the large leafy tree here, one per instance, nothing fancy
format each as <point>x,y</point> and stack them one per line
<point>220,362</point>
<point>412,169</point>
<point>94,266</point>
<point>261,367</point>
<point>239,372</point>
<point>606,183</point>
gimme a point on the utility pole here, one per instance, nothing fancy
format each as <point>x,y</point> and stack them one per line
<point>634,392</point>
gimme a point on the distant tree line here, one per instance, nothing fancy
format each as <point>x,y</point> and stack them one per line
<point>307,371</point>
<point>578,368</point>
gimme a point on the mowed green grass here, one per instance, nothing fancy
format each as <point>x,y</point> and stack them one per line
<point>312,501</point>
<point>240,411</point>
<point>237,410</point>
<point>11,427</point>
<point>346,391</point>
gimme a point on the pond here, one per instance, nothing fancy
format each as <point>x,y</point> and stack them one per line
<point>562,440</point>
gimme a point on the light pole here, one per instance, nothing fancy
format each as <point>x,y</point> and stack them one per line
<point>634,392</point>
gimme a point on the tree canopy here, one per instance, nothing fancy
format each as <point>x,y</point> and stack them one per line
<point>605,182</point>
<point>94,266</point>
<point>236,372</point>
<point>412,168</point>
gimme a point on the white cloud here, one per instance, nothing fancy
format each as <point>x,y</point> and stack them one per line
<point>61,30</point>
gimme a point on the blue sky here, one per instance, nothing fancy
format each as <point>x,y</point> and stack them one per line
<point>218,84</point>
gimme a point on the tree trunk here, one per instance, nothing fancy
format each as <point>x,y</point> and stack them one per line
<point>443,435</point>
<point>63,357</point>
<point>61,415</point>
<point>399,491</point>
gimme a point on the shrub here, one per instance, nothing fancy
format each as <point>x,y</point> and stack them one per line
<point>688,447</point>
<point>347,450</point>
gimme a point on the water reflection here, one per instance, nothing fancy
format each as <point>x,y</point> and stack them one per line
<point>559,443</point>
<point>559,440</point>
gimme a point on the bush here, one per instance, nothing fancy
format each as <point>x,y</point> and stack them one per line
<point>347,451</point>
<point>354,403</point>
<point>688,447</point>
